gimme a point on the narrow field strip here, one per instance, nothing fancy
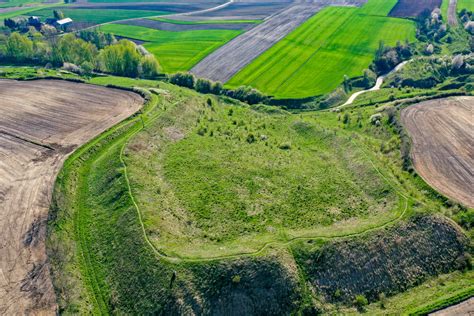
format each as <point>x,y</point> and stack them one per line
<point>176,51</point>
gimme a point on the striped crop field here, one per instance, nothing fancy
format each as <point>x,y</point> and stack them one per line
<point>314,58</point>
<point>176,51</point>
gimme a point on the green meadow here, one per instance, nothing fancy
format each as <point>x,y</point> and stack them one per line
<point>176,51</point>
<point>98,16</point>
<point>314,59</point>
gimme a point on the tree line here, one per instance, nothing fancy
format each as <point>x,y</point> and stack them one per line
<point>84,53</point>
<point>244,93</point>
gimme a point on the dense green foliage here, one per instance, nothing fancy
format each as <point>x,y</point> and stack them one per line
<point>315,57</point>
<point>176,51</point>
<point>120,58</point>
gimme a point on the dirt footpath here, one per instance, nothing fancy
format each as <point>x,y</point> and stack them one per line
<point>464,308</point>
<point>41,122</point>
<point>442,133</point>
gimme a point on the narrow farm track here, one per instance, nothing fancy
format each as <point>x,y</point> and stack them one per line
<point>443,145</point>
<point>452,18</point>
<point>377,86</point>
<point>41,123</point>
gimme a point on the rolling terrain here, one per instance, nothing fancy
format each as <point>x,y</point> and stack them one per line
<point>41,123</point>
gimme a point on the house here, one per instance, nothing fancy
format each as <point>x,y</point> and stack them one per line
<point>64,22</point>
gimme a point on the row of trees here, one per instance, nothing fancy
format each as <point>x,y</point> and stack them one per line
<point>89,51</point>
<point>243,93</point>
<point>386,57</point>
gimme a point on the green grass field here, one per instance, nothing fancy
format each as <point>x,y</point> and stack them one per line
<point>465,4</point>
<point>176,51</point>
<point>315,57</point>
<point>98,16</point>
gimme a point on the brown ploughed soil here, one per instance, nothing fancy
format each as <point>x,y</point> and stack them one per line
<point>442,133</point>
<point>41,123</point>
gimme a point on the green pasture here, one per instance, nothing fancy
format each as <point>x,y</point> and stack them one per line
<point>99,16</point>
<point>176,51</point>
<point>314,58</point>
<point>464,4</point>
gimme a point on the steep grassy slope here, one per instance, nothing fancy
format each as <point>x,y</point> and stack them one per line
<point>315,57</point>
<point>176,51</point>
<point>388,262</point>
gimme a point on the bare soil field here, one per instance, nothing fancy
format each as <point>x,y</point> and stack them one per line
<point>463,308</point>
<point>245,10</point>
<point>226,61</point>
<point>152,6</point>
<point>41,123</point>
<point>164,26</point>
<point>443,145</point>
<point>409,8</point>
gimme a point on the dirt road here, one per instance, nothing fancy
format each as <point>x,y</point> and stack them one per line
<point>41,122</point>
<point>452,18</point>
<point>463,308</point>
<point>442,133</point>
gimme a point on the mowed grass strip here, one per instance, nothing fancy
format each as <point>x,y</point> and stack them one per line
<point>314,58</point>
<point>98,16</point>
<point>465,4</point>
<point>176,51</point>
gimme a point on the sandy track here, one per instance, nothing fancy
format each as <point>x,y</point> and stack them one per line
<point>452,18</point>
<point>463,308</point>
<point>226,61</point>
<point>442,132</point>
<point>41,122</point>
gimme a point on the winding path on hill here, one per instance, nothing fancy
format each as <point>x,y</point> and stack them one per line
<point>378,84</point>
<point>41,123</point>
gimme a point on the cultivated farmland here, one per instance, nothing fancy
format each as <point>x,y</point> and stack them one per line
<point>41,123</point>
<point>315,57</point>
<point>227,61</point>
<point>407,8</point>
<point>99,16</point>
<point>441,131</point>
<point>176,51</point>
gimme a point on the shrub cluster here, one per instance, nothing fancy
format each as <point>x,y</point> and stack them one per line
<point>244,93</point>
<point>89,51</point>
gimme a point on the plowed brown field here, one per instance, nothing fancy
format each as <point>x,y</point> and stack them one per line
<point>442,132</point>
<point>41,123</point>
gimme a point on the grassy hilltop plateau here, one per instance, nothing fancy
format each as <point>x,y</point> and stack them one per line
<point>251,157</point>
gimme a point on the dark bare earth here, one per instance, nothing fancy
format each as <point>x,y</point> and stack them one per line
<point>410,8</point>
